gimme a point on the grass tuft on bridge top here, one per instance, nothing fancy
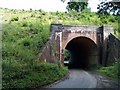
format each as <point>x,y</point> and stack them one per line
<point>24,35</point>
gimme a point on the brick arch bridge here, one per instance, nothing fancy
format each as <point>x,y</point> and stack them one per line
<point>88,44</point>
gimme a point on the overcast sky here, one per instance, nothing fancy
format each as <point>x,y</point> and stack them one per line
<point>46,5</point>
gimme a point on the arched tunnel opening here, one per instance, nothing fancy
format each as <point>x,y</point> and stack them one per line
<point>83,53</point>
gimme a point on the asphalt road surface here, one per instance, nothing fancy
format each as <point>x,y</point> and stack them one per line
<point>77,79</point>
<point>84,79</point>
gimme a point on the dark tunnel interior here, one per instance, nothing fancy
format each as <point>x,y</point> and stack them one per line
<point>81,49</point>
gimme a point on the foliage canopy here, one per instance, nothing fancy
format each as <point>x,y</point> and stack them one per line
<point>108,7</point>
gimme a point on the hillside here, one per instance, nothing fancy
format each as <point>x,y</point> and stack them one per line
<point>25,34</point>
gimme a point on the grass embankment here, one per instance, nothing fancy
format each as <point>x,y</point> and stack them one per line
<point>24,35</point>
<point>112,72</point>
<point>35,74</point>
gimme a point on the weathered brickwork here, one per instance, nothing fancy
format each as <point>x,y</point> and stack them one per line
<point>112,49</point>
<point>101,36</point>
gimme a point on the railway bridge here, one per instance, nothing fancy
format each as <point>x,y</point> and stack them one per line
<point>88,45</point>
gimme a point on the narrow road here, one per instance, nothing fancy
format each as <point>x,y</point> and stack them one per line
<point>77,79</point>
<point>84,79</point>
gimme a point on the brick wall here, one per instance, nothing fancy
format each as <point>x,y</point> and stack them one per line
<point>112,49</point>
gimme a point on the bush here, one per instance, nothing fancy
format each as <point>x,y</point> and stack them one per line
<point>15,19</point>
<point>24,24</point>
<point>112,20</point>
<point>33,15</point>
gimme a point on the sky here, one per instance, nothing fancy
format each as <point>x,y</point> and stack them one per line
<point>46,5</point>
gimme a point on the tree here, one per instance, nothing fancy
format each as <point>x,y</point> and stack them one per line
<point>30,9</point>
<point>109,7</point>
<point>63,1</point>
<point>76,5</point>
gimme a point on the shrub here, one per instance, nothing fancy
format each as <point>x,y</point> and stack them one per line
<point>112,20</point>
<point>43,13</point>
<point>15,19</point>
<point>32,15</point>
<point>24,24</point>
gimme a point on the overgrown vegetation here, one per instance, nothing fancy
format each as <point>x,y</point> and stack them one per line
<point>30,75</point>
<point>67,56</point>
<point>112,71</point>
<point>24,35</point>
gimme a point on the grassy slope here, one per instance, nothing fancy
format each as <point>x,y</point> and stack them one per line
<point>24,35</point>
<point>35,74</point>
<point>112,71</point>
